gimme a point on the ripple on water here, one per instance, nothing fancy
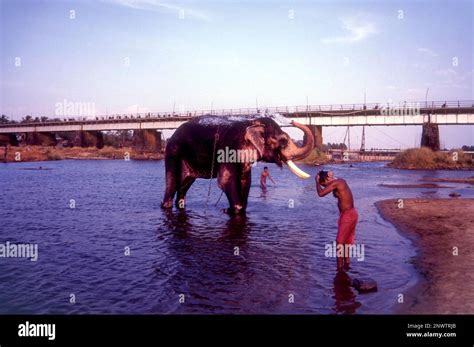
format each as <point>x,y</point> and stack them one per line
<point>251,264</point>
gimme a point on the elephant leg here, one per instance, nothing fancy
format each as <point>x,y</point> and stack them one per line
<point>245,182</point>
<point>235,205</point>
<point>173,174</point>
<point>229,182</point>
<point>183,189</point>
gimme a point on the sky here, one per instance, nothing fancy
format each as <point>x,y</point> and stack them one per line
<point>146,55</point>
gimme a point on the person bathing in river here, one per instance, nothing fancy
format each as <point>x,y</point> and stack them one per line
<point>263,178</point>
<point>327,183</point>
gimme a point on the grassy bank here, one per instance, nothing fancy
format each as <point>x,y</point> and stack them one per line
<point>315,157</point>
<point>426,159</point>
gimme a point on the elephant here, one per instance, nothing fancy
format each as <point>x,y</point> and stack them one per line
<point>198,149</point>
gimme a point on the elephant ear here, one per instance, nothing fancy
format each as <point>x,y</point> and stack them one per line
<point>255,135</point>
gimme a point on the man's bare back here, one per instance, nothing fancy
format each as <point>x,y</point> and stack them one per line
<point>340,190</point>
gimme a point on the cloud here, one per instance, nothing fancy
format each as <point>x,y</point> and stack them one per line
<point>357,28</point>
<point>446,72</point>
<point>416,91</point>
<point>450,78</point>
<point>427,51</point>
<point>420,65</point>
<point>158,6</point>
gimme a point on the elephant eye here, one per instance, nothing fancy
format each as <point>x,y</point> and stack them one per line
<point>283,142</point>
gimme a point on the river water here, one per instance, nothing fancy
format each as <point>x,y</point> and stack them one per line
<point>116,251</point>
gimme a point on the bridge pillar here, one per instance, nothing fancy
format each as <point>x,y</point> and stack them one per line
<point>41,139</point>
<point>430,136</point>
<point>147,140</point>
<point>89,139</point>
<point>8,139</point>
<point>317,131</point>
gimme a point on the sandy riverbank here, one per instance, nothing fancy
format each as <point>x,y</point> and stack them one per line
<point>437,226</point>
<point>469,180</point>
<point>420,185</point>
<point>40,153</point>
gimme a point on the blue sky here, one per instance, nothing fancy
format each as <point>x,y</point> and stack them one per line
<point>122,55</point>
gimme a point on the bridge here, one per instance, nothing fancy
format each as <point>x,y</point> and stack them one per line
<point>148,126</point>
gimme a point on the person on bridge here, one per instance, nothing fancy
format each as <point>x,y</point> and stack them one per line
<point>327,183</point>
<point>263,178</point>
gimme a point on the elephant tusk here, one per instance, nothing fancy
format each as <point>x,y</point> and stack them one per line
<point>296,170</point>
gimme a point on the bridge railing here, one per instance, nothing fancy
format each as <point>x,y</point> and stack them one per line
<point>257,110</point>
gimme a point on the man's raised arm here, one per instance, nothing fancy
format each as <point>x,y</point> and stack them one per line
<point>325,191</point>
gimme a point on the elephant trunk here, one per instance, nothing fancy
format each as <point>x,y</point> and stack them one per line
<point>293,152</point>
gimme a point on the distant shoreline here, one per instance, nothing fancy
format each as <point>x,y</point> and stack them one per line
<point>40,153</point>
<point>436,226</point>
<point>420,185</point>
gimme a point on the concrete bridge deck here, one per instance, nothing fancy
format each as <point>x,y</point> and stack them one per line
<point>88,131</point>
<point>442,113</point>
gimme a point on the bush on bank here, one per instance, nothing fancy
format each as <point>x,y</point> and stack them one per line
<point>425,158</point>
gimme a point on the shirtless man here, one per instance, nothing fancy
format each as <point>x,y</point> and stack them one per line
<point>345,202</point>
<point>263,178</point>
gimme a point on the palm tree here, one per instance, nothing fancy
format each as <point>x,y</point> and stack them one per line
<point>27,119</point>
<point>4,119</point>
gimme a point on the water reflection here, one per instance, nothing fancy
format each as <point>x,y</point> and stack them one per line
<point>237,229</point>
<point>344,295</point>
<point>183,222</point>
<point>201,275</point>
<point>241,264</point>
<point>176,222</point>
